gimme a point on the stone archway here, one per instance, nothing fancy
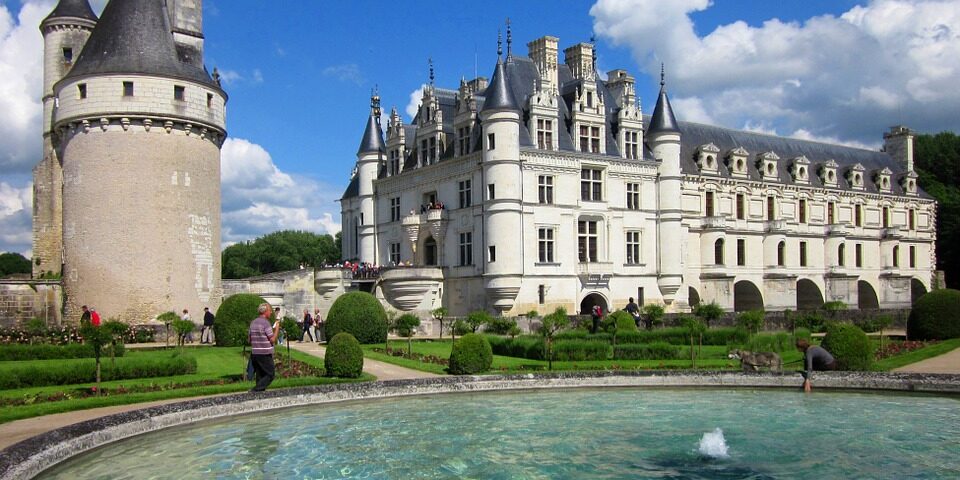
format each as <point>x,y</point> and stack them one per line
<point>693,297</point>
<point>867,296</point>
<point>586,305</point>
<point>746,297</point>
<point>809,296</point>
<point>917,290</point>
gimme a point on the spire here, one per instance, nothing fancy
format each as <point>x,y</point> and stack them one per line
<point>498,95</point>
<point>373,136</point>
<point>663,120</point>
<point>72,9</point>
<point>430,61</point>
<point>509,41</point>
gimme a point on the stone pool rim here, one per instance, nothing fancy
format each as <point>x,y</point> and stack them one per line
<point>29,458</point>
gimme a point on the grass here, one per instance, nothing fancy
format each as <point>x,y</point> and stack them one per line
<point>213,364</point>
<point>915,356</point>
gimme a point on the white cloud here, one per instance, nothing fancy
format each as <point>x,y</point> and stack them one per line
<point>349,72</point>
<point>16,204</point>
<point>846,77</point>
<point>414,105</point>
<point>691,109</point>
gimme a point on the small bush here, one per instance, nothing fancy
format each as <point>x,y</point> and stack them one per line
<point>934,316</point>
<point>461,327</point>
<point>85,371</point>
<point>471,354</point>
<point>359,314</point>
<point>802,333</point>
<point>812,321</point>
<point>771,342</point>
<point>709,312</point>
<point>652,351</point>
<point>234,317</point>
<point>522,346</point>
<point>579,350</point>
<point>477,319</point>
<point>344,357</point>
<point>849,346</point>
<point>623,322</point>
<point>50,352</point>
<point>752,320</point>
<point>501,325</point>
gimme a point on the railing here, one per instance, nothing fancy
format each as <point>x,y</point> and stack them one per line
<point>836,229</point>
<point>595,268</point>
<point>775,226</point>
<point>892,233</point>
<point>715,222</point>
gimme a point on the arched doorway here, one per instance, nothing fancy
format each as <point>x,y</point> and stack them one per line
<point>693,298</point>
<point>586,305</point>
<point>917,290</point>
<point>746,297</point>
<point>867,296</point>
<point>808,295</point>
<point>429,251</point>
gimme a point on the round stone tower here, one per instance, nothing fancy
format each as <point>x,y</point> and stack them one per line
<point>138,125</point>
<point>663,136</point>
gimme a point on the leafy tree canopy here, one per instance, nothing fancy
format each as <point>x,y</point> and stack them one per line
<point>937,162</point>
<point>277,252</point>
<point>11,263</point>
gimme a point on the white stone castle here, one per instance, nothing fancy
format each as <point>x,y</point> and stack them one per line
<point>127,196</point>
<point>557,191</point>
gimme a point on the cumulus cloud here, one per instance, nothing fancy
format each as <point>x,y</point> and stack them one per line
<point>414,105</point>
<point>349,72</point>
<point>15,218</point>
<point>846,77</point>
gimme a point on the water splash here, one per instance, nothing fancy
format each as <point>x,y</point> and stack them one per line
<point>713,445</point>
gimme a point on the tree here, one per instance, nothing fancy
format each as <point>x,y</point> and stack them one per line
<point>708,312</point>
<point>291,330</point>
<point>652,315</point>
<point>695,328</point>
<point>438,315</point>
<point>549,327</point>
<point>477,319</point>
<point>937,162</point>
<point>168,318</point>
<point>406,326</point>
<point>278,251</point>
<point>14,263</point>
<point>183,328</point>
<point>97,338</point>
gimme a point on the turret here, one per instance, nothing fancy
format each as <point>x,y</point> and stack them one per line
<point>369,157</point>
<point>898,143</point>
<point>663,136</point>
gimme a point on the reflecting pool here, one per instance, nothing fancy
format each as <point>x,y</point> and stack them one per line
<point>577,434</point>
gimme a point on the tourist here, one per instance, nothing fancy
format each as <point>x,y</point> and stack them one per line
<point>94,317</point>
<point>262,338</point>
<point>276,318</point>
<point>815,357</point>
<point>318,325</point>
<point>596,313</point>
<point>186,318</point>
<point>307,325</point>
<point>85,316</point>
<point>207,331</point>
<point>634,310</point>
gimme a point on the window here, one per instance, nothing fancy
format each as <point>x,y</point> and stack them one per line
<point>708,204</point>
<point>803,254</point>
<point>886,217</point>
<point>639,295</point>
<point>395,253</point>
<point>633,196</point>
<point>428,151</point>
<point>82,90</point>
<point>127,89</point>
<point>466,248</point>
<point>741,252</point>
<point>781,254</point>
<point>590,99</point>
<point>179,92</point>
<point>544,134</point>
<point>492,254</point>
<point>545,189</point>
<point>718,252</point>
<point>631,145</point>
<point>896,255</point>
<point>633,248</point>
<point>911,219</point>
<point>913,257</point>
<point>802,214</point>
<point>209,100</point>
<point>67,55</point>
<point>545,245</point>
<point>831,207</point>
<point>463,140</point>
<point>858,215</point>
<point>771,208</point>
<point>842,255</point>
<point>587,240</point>
<point>491,192</point>
<point>491,141</point>
<point>395,209</point>
<point>589,139</point>
<point>393,162</point>
<point>741,206</point>
<point>858,254</point>
<point>591,185</point>
<point>541,293</point>
<point>464,187</point>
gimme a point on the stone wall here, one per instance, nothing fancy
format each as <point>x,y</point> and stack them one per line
<point>22,300</point>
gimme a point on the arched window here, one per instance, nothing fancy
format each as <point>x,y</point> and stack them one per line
<point>841,254</point>
<point>718,252</point>
<point>896,255</point>
<point>781,254</point>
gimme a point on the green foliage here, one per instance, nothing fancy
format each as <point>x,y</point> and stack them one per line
<point>802,333</point>
<point>471,354</point>
<point>849,346</point>
<point>233,319</point>
<point>439,314</point>
<point>461,327</point>
<point>501,325</point>
<point>36,327</point>
<point>834,307</point>
<point>651,351</point>
<point>752,320</point>
<point>549,327</point>
<point>522,346</point>
<point>117,329</point>
<point>514,331</point>
<point>359,314</point>
<point>623,322</point>
<point>168,317</point>
<point>652,315</point>
<point>533,314</point>
<point>937,162</point>
<point>14,263</point>
<point>77,372</point>
<point>477,319</point>
<point>343,357</point>
<point>290,328</point>
<point>810,320</point>
<point>934,316</point>
<point>771,342</point>
<point>581,350</point>
<point>708,312</point>
<point>50,352</point>
<point>183,328</point>
<point>406,325</point>
<point>277,252</point>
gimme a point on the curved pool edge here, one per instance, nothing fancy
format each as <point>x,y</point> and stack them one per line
<point>30,457</point>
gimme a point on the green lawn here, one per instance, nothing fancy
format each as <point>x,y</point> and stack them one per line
<point>213,365</point>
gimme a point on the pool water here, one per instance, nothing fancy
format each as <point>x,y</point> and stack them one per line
<point>577,434</point>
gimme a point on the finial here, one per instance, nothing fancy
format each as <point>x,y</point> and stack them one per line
<point>499,44</point>
<point>663,76</point>
<point>509,39</point>
<point>216,76</point>
<point>430,61</point>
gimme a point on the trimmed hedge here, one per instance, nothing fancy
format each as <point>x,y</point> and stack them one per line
<point>849,346</point>
<point>623,322</point>
<point>653,351</point>
<point>579,334</point>
<point>523,346</point>
<point>500,325</point>
<point>771,342</point>
<point>233,318</point>
<point>934,316</point>
<point>359,314</point>
<point>77,372</point>
<point>471,354</point>
<point>579,350</point>
<point>344,357</point>
<point>18,352</point>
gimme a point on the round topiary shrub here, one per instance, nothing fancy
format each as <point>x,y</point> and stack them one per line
<point>471,354</point>
<point>623,321</point>
<point>359,314</point>
<point>344,357</point>
<point>233,319</point>
<point>849,346</point>
<point>934,316</point>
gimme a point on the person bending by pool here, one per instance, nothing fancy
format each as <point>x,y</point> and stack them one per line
<point>262,338</point>
<point>815,357</point>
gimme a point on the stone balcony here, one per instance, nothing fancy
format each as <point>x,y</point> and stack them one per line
<point>409,288</point>
<point>836,229</point>
<point>594,268</point>
<point>891,233</point>
<point>775,226</point>
<point>716,222</point>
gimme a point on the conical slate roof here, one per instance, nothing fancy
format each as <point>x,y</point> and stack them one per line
<point>72,9</point>
<point>663,120</point>
<point>134,37</point>
<point>499,96</point>
<point>372,136</point>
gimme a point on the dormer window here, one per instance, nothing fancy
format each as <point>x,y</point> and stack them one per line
<point>589,139</point>
<point>828,173</point>
<point>800,169</point>
<point>545,134</point>
<point>707,158</point>
<point>882,179</point>
<point>767,164</point>
<point>463,140</point>
<point>737,162</point>
<point>909,183</point>
<point>631,145</point>
<point>855,176</point>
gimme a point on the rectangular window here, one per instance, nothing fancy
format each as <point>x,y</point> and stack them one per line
<point>771,208</point>
<point>831,207</point>
<point>466,248</point>
<point>886,217</point>
<point>741,252</point>
<point>913,257</point>
<point>395,209</point>
<point>803,254</point>
<point>395,253</point>
<point>911,219</point>
<point>802,214</point>
<point>68,55</point>
<point>82,90</point>
<point>463,140</point>
<point>393,162</point>
<point>631,145</point>
<point>633,248</point>
<point>633,196</point>
<point>491,141</point>
<point>179,92</point>
<point>545,189</point>
<point>595,139</point>
<point>858,255</point>
<point>541,293</point>
<point>896,255</point>
<point>858,215</point>
<point>491,192</point>
<point>544,134</point>
<point>545,245</point>
<point>127,89</point>
<point>465,193</point>
<point>587,240</point>
<point>589,139</point>
<point>209,100</point>
<point>708,204</point>
<point>741,206</point>
<point>432,156</point>
<point>639,295</point>
<point>492,251</point>
<point>591,185</point>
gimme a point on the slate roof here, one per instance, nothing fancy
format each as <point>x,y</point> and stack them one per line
<point>498,95</point>
<point>663,120</point>
<point>372,137</point>
<point>134,37</point>
<point>72,9</point>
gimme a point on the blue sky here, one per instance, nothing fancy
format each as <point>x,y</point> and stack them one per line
<point>299,74</point>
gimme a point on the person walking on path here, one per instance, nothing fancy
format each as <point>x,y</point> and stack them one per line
<point>207,331</point>
<point>262,339</point>
<point>815,357</point>
<point>85,316</point>
<point>319,326</point>
<point>307,325</point>
<point>94,317</point>
<point>634,310</point>
<point>186,317</point>
<point>596,313</point>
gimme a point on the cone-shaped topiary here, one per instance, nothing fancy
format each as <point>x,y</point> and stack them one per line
<point>934,316</point>
<point>471,354</point>
<point>359,314</point>
<point>849,346</point>
<point>344,357</point>
<point>233,319</point>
